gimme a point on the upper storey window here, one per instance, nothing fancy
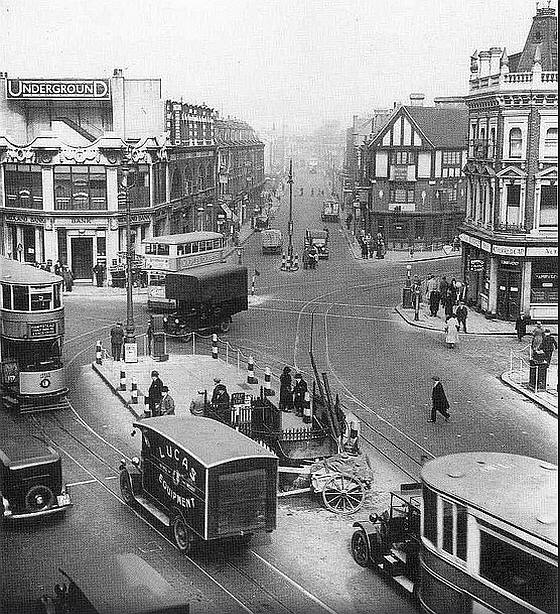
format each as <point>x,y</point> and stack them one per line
<point>515,143</point>
<point>24,187</point>
<point>80,188</point>
<point>551,143</point>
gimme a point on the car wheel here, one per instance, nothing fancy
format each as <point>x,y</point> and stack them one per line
<point>360,548</point>
<point>181,534</point>
<point>126,490</point>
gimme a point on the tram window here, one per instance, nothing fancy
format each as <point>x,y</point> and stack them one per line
<point>447,510</point>
<point>56,296</point>
<point>209,245</point>
<point>217,243</point>
<point>518,572</point>
<point>430,515</point>
<point>21,298</point>
<point>461,531</point>
<point>41,299</point>
<point>194,248</point>
<point>163,250</point>
<point>6,296</point>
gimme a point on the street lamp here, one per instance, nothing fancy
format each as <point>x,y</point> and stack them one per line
<point>200,211</point>
<point>290,218</point>
<point>408,270</point>
<point>130,347</point>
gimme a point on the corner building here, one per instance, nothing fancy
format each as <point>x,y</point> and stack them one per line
<point>63,143</point>
<point>510,234</point>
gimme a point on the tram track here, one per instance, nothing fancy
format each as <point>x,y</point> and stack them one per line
<point>249,579</point>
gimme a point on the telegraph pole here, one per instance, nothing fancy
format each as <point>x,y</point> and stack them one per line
<point>290,219</point>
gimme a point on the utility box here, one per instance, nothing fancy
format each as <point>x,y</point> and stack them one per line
<point>537,375</point>
<point>407,298</point>
<point>159,348</point>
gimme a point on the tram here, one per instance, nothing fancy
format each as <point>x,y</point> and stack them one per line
<point>31,336</point>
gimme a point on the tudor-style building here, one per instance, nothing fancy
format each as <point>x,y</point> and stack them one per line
<point>411,187</point>
<point>510,234</point>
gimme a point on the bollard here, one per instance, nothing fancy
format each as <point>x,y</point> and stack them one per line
<point>295,264</point>
<point>98,353</point>
<point>123,381</point>
<point>134,392</point>
<point>253,285</point>
<point>251,379</point>
<point>283,267</point>
<point>268,392</point>
<point>307,409</point>
<point>215,346</point>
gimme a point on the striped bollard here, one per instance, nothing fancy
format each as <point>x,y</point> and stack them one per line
<point>307,409</point>
<point>295,264</point>
<point>215,346</point>
<point>98,353</point>
<point>251,379</point>
<point>122,385</point>
<point>268,392</point>
<point>134,392</point>
<point>283,267</point>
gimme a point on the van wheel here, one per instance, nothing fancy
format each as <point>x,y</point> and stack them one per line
<point>181,534</point>
<point>126,490</point>
<point>225,326</point>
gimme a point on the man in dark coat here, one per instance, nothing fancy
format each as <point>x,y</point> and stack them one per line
<point>439,401</point>
<point>155,393</point>
<point>99,272</point>
<point>117,340</point>
<point>521,326</point>
<point>220,400</point>
<point>461,314</point>
<point>300,388</point>
<point>443,285</point>
<point>434,302</point>
<point>548,345</point>
<point>167,404</point>
<point>286,399</point>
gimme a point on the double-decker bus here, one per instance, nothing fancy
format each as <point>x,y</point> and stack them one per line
<point>31,336</point>
<point>174,253</point>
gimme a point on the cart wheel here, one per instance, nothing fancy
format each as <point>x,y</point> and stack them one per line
<point>126,490</point>
<point>360,548</point>
<point>343,494</point>
<point>225,326</point>
<point>181,534</point>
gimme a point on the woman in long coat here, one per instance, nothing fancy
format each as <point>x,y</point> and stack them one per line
<point>286,396</point>
<point>452,331</point>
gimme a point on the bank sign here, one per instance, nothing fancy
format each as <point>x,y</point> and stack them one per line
<point>58,89</point>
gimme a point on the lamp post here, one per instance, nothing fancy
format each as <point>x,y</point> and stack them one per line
<point>131,350</point>
<point>290,217</point>
<point>408,270</point>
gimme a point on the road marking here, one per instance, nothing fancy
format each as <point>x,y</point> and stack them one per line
<point>295,584</point>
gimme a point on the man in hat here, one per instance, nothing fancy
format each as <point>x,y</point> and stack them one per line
<point>220,399</point>
<point>154,394</point>
<point>167,404</point>
<point>300,388</point>
<point>439,401</point>
<point>117,340</point>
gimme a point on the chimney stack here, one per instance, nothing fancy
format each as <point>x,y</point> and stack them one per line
<point>417,100</point>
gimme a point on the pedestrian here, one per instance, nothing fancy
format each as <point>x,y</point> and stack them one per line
<point>58,268</point>
<point>363,247</point>
<point>300,388</point>
<point>548,345</point>
<point>349,219</point>
<point>49,266</point>
<point>220,400</point>
<point>371,247</point>
<point>521,326</point>
<point>117,340</point>
<point>431,285</point>
<point>443,290</point>
<point>68,278</point>
<point>313,256</point>
<point>439,401</point>
<point>537,340</point>
<point>452,290</point>
<point>150,336</point>
<point>155,392</point>
<point>99,272</point>
<point>434,302</point>
<point>286,399</point>
<point>449,302</point>
<point>451,331</point>
<point>167,404</point>
<point>462,314</point>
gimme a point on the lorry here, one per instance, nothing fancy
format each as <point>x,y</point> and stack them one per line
<point>330,212</point>
<point>206,298</point>
<point>271,241</point>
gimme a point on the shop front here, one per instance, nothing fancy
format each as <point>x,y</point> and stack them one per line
<point>508,303</point>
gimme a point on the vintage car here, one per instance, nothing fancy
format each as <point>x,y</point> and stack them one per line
<point>320,239</point>
<point>30,475</point>
<point>271,241</point>
<point>119,584</point>
<point>202,479</point>
<point>262,222</point>
<point>206,298</point>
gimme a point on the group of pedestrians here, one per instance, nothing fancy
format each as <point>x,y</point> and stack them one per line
<point>160,402</point>
<point>292,395</point>
<point>370,246</point>
<point>63,270</point>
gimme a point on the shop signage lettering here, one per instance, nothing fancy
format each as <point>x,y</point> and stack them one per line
<point>24,219</point>
<point>44,329</point>
<point>542,251</point>
<point>485,246</point>
<point>506,250</point>
<point>80,220</point>
<point>65,89</point>
<point>546,276</point>
<point>511,263</point>
<point>137,219</point>
<point>470,240</point>
<point>477,265</point>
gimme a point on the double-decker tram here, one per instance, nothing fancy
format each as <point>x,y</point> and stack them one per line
<point>489,537</point>
<point>31,336</point>
<point>174,253</point>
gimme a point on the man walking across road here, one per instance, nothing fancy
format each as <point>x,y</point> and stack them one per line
<point>117,339</point>
<point>167,404</point>
<point>548,345</point>
<point>462,314</point>
<point>439,401</point>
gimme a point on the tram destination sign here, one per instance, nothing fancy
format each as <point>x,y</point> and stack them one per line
<point>58,89</point>
<point>44,329</point>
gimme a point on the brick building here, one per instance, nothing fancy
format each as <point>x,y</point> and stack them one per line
<point>510,234</point>
<point>411,187</point>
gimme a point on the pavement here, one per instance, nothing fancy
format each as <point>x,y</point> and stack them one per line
<point>517,376</point>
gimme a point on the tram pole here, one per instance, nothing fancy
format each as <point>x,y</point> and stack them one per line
<point>290,217</point>
<point>131,349</point>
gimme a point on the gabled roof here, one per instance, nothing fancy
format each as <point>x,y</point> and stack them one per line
<point>443,127</point>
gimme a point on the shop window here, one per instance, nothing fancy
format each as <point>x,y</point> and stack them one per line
<point>548,206</point>
<point>24,186</point>
<point>139,186</point>
<point>544,280</point>
<point>515,143</point>
<point>518,572</point>
<point>551,143</point>
<point>80,188</point>
<point>513,202</point>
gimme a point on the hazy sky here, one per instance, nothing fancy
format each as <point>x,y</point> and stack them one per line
<point>298,61</point>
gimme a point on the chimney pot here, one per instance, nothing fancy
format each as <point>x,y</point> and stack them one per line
<point>417,100</point>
